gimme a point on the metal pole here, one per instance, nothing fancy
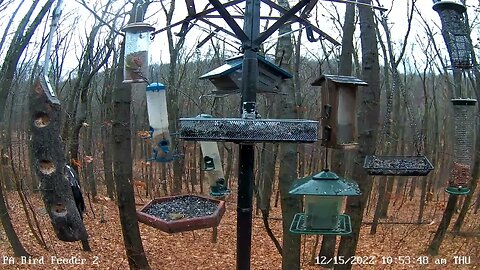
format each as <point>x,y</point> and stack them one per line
<point>251,28</point>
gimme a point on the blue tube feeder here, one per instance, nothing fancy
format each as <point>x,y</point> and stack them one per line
<point>324,194</point>
<point>158,119</point>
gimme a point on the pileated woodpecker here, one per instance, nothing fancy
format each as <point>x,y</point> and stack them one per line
<point>77,192</point>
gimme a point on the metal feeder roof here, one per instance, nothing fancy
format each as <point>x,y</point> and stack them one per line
<point>338,79</point>
<point>464,101</point>
<point>325,183</point>
<point>227,78</point>
<point>155,87</point>
<point>449,4</point>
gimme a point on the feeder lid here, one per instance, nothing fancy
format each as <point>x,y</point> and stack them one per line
<point>339,79</point>
<point>155,87</point>
<point>449,4</point>
<point>235,63</point>
<point>138,27</point>
<point>325,183</point>
<point>464,101</point>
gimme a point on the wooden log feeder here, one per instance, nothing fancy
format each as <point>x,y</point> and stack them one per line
<point>339,120</point>
<point>48,161</point>
<point>182,213</point>
<point>464,119</point>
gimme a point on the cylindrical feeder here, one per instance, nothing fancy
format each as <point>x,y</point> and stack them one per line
<point>460,174</point>
<point>137,42</point>
<point>455,32</point>
<point>324,194</point>
<point>212,165</point>
<point>158,119</point>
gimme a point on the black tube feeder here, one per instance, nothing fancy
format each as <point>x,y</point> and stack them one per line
<point>460,173</point>
<point>455,32</point>
<point>339,120</point>
<point>324,195</point>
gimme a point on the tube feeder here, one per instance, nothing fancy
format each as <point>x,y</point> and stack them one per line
<point>339,125</point>
<point>212,165</point>
<point>158,119</point>
<point>324,194</point>
<point>228,78</point>
<point>137,42</point>
<point>460,173</point>
<point>455,32</point>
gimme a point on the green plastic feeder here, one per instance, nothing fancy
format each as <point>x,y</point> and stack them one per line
<point>457,190</point>
<point>324,194</point>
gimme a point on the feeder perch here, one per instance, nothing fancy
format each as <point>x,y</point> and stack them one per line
<point>182,213</point>
<point>228,78</point>
<point>137,41</point>
<point>460,173</point>
<point>158,119</point>
<point>213,166</point>
<point>339,121</point>
<point>324,194</point>
<point>397,165</point>
<point>455,32</point>
<point>248,130</point>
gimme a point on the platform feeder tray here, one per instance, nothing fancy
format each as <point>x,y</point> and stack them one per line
<point>182,213</point>
<point>397,165</point>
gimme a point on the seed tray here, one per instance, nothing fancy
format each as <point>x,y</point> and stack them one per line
<point>182,213</point>
<point>397,165</point>
<point>248,130</point>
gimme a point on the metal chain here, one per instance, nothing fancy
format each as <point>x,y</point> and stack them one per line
<point>387,117</point>
<point>417,136</point>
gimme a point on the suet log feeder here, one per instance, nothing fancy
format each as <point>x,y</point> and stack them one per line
<point>158,119</point>
<point>212,165</point>
<point>455,32</point>
<point>137,42</point>
<point>460,174</point>
<point>339,121</point>
<point>228,78</point>
<point>324,194</point>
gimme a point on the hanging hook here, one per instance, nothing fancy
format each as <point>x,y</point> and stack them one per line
<point>310,36</point>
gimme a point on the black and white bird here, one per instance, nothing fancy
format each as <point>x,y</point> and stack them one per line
<point>76,190</point>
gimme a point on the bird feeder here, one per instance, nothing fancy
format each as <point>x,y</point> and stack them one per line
<point>455,32</point>
<point>212,165</point>
<point>137,42</point>
<point>324,194</point>
<point>339,95</point>
<point>460,174</point>
<point>158,119</point>
<point>228,78</point>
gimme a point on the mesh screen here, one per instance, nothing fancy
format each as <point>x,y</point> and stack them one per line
<point>397,165</point>
<point>237,129</point>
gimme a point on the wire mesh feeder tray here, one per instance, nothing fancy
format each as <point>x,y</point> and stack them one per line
<point>344,226</point>
<point>248,130</point>
<point>182,213</point>
<point>397,165</point>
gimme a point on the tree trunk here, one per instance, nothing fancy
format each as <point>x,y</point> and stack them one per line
<point>443,226</point>
<point>368,109</point>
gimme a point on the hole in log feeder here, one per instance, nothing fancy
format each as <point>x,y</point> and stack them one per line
<point>41,120</point>
<point>47,166</point>
<point>59,210</point>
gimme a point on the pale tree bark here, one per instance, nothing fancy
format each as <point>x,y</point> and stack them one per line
<point>288,155</point>
<point>368,109</point>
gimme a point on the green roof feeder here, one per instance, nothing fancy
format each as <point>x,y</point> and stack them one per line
<point>228,78</point>
<point>324,194</point>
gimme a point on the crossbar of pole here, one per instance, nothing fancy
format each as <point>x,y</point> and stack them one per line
<point>359,4</point>
<point>302,21</point>
<point>218,27</point>
<point>229,20</point>
<point>214,16</point>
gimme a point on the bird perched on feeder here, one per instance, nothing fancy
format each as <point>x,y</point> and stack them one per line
<point>77,192</point>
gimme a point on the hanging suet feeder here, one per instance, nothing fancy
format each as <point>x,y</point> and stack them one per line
<point>460,174</point>
<point>339,121</point>
<point>137,42</point>
<point>228,78</point>
<point>324,194</point>
<point>212,165</point>
<point>182,213</point>
<point>158,119</point>
<point>455,32</point>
